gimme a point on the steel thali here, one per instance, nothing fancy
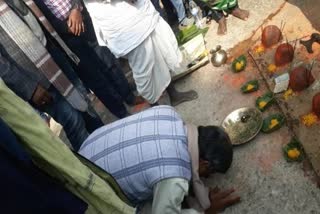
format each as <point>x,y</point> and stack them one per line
<point>243,124</point>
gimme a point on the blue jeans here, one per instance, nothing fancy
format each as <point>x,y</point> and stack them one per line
<point>76,124</point>
<point>179,6</point>
<point>62,61</point>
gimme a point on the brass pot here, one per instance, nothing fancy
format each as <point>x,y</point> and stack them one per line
<point>219,56</point>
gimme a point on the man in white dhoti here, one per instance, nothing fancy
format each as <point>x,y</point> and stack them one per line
<point>135,30</point>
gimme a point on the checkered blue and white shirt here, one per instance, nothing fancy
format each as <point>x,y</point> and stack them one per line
<point>141,150</point>
<point>62,8</point>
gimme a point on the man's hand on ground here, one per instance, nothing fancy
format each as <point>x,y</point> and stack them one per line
<point>221,200</point>
<point>41,97</point>
<point>75,22</point>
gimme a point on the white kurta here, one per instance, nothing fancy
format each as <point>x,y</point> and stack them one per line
<point>122,26</point>
<point>138,33</point>
<point>152,61</point>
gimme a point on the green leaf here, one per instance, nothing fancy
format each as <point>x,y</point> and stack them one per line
<point>240,59</point>
<point>255,85</point>
<point>267,122</point>
<point>268,98</point>
<point>189,33</point>
<point>294,143</point>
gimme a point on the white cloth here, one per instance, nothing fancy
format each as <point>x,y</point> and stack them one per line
<point>152,61</point>
<point>168,195</point>
<point>136,31</point>
<point>201,200</point>
<point>122,26</point>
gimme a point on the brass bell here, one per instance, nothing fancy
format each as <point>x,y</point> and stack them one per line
<point>219,56</point>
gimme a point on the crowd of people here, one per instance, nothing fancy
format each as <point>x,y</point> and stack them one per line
<point>53,54</point>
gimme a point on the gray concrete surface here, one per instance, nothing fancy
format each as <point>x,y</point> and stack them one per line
<point>298,25</point>
<point>264,180</point>
<point>266,183</point>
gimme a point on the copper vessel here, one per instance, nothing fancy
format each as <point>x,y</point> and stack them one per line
<point>271,35</point>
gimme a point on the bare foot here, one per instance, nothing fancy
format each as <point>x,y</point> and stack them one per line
<point>138,100</point>
<point>222,28</point>
<point>241,14</point>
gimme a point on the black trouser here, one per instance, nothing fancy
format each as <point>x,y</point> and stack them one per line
<point>98,69</point>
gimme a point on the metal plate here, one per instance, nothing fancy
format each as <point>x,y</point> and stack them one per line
<point>243,124</point>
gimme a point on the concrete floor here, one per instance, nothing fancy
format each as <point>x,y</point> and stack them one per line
<point>263,179</point>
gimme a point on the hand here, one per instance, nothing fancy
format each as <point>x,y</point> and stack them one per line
<point>75,22</point>
<point>41,97</point>
<point>221,200</point>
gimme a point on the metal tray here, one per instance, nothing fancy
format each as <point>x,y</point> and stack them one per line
<point>242,125</point>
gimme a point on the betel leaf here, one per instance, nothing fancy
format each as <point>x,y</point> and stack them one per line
<point>293,144</point>
<point>250,86</point>
<point>264,101</point>
<point>189,33</point>
<point>239,64</point>
<point>273,123</point>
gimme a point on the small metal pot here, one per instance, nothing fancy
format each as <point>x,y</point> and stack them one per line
<point>219,56</point>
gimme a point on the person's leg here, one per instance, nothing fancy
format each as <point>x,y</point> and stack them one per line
<point>93,120</point>
<point>156,5</point>
<point>239,13</point>
<point>110,66</point>
<point>181,12</point>
<point>90,72</point>
<point>113,71</point>
<point>170,12</point>
<point>168,56</point>
<point>62,61</point>
<point>219,17</point>
<point>71,119</point>
<point>152,75</point>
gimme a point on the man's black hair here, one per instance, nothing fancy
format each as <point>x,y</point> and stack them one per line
<point>215,147</point>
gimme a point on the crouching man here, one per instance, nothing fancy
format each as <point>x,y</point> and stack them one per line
<point>158,160</point>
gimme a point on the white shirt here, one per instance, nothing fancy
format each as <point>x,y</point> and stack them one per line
<point>168,195</point>
<point>122,26</point>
